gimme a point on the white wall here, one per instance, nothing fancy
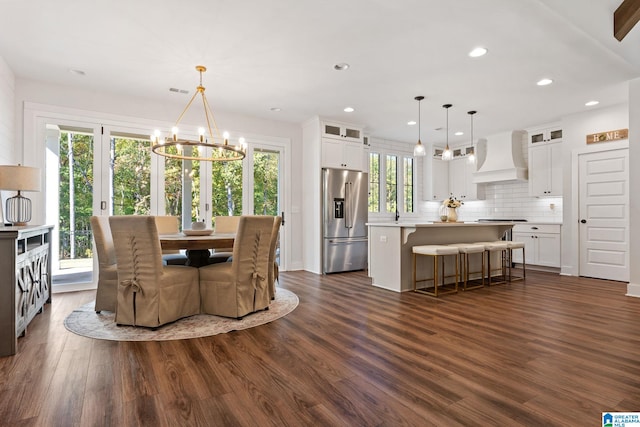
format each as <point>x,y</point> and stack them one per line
<point>7,124</point>
<point>7,114</point>
<point>106,105</point>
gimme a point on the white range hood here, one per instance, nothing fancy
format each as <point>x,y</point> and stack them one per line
<point>500,158</point>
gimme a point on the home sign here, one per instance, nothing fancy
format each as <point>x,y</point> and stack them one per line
<point>612,135</point>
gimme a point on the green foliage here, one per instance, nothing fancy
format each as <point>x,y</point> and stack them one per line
<point>265,180</point>
<point>374,182</point>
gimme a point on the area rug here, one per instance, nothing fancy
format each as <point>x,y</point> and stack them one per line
<point>86,322</point>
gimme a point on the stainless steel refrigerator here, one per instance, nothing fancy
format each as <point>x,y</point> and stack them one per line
<point>344,207</point>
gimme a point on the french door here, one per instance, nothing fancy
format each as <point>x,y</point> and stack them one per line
<point>96,169</point>
<point>252,186</point>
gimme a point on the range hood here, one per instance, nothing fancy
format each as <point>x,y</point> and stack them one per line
<point>500,158</point>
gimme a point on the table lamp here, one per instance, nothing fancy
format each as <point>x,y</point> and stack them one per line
<point>19,178</point>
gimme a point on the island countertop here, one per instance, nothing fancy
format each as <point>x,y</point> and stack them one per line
<point>390,245</point>
<point>438,224</point>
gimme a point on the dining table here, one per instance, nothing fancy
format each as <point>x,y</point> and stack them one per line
<point>197,246</point>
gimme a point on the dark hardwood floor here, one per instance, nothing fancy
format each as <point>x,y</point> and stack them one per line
<point>552,350</point>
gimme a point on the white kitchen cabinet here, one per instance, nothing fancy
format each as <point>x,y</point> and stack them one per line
<point>461,180</point>
<point>545,135</point>
<point>545,170</point>
<point>541,244</point>
<point>339,154</point>
<point>435,179</point>
<point>342,131</point>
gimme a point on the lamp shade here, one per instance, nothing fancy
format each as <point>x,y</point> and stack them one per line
<point>19,178</point>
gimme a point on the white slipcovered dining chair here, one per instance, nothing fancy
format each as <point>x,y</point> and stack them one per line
<point>237,288</point>
<point>168,224</point>
<point>273,265</point>
<point>106,294</point>
<point>149,293</point>
<point>224,224</point>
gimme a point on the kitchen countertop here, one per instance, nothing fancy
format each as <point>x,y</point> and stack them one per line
<point>440,224</point>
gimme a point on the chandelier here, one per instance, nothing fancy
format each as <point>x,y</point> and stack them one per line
<point>208,147</point>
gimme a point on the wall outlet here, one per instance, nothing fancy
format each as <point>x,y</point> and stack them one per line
<point>383,239</point>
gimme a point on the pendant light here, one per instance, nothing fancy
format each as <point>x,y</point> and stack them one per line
<point>472,156</point>
<point>447,154</point>
<point>418,150</point>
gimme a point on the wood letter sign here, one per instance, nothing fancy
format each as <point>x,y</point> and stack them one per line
<point>612,135</point>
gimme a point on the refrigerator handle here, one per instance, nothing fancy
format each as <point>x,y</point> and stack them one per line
<point>348,215</point>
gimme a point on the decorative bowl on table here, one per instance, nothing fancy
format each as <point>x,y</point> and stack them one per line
<point>204,232</point>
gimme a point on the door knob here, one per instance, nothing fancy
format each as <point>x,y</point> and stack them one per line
<point>584,221</point>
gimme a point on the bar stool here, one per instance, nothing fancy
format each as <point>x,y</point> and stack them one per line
<point>465,250</point>
<point>511,246</point>
<point>490,248</point>
<point>437,252</point>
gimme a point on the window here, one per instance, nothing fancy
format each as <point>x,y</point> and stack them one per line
<point>226,185</point>
<point>392,180</point>
<point>391,183</point>
<point>374,182</point>
<point>408,183</point>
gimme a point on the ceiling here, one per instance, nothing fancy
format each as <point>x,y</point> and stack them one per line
<point>281,53</point>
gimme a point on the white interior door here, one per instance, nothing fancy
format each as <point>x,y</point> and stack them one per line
<point>604,214</point>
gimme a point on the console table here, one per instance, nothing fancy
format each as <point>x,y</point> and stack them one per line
<point>25,280</point>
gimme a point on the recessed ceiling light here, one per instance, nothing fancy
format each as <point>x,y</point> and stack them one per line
<point>341,66</point>
<point>544,82</point>
<point>276,109</point>
<point>349,110</point>
<point>411,122</point>
<point>77,72</point>
<point>459,133</point>
<point>592,103</point>
<point>478,52</point>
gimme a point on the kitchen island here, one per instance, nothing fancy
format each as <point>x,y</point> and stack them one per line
<point>390,243</point>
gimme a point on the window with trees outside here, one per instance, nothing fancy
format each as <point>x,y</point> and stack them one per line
<point>391,178</point>
<point>374,182</point>
<point>391,183</point>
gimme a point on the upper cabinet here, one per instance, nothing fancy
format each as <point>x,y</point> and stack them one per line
<point>545,170</point>
<point>342,146</point>
<point>342,154</point>
<point>442,178</point>
<point>545,135</point>
<point>342,131</point>
<point>461,180</point>
<point>545,162</point>
<point>435,179</point>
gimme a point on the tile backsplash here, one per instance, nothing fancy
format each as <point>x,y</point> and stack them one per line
<point>503,200</point>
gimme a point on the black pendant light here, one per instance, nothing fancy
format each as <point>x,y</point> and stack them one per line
<point>472,156</point>
<point>447,154</point>
<point>419,150</point>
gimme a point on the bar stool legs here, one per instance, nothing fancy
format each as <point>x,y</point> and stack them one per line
<point>493,247</point>
<point>437,252</point>
<point>511,246</point>
<point>466,250</point>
